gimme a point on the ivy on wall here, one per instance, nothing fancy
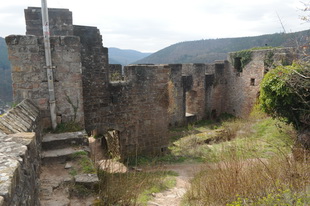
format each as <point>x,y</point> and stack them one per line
<point>240,59</point>
<point>269,60</point>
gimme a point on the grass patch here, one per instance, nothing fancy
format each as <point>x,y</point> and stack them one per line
<point>210,141</point>
<point>83,164</point>
<point>248,163</point>
<point>280,197</point>
<point>255,137</point>
<point>133,188</point>
<point>70,126</point>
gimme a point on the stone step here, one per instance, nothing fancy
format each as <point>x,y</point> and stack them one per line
<point>90,181</point>
<point>62,154</point>
<point>59,141</point>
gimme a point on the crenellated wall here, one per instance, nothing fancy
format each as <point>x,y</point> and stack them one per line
<point>145,101</point>
<point>140,109</point>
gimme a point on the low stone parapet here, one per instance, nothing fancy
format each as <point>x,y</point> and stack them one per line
<point>20,146</point>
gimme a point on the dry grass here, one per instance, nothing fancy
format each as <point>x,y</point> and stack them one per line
<point>132,188</point>
<point>261,137</point>
<point>247,182</point>
<point>253,167</point>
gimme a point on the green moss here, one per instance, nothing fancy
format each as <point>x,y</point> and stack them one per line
<point>240,59</point>
<point>268,60</point>
<point>85,164</point>
<point>65,127</point>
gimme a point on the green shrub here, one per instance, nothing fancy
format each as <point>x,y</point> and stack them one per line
<point>285,94</point>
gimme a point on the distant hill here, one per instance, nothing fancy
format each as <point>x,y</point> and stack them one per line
<point>125,57</point>
<point>207,51</point>
<point>5,74</point>
<point>4,61</point>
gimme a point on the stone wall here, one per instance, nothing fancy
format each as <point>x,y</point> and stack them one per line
<point>216,89</point>
<point>243,87</point>
<point>197,91</point>
<point>20,139</point>
<point>138,110</point>
<point>26,54</point>
<point>145,102</point>
<point>115,72</point>
<point>175,86</point>
<point>94,60</point>
<point>60,21</point>
<point>194,88</point>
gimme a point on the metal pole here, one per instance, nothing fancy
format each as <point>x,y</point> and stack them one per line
<point>48,59</point>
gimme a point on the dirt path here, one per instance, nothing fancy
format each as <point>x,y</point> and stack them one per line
<point>173,196</point>
<point>53,188</point>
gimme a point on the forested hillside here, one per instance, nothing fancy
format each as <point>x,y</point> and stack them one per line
<point>125,56</point>
<point>5,74</point>
<point>207,51</point>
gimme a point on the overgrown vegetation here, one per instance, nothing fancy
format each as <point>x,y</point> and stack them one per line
<point>130,188</point>
<point>70,126</point>
<point>83,164</point>
<point>269,60</point>
<point>240,59</point>
<point>285,94</point>
<point>208,141</point>
<point>251,165</point>
<point>133,188</point>
<point>248,162</point>
<point>276,181</point>
<point>115,76</point>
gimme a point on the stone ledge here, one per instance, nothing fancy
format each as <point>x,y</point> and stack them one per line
<point>20,155</point>
<point>14,159</point>
<point>8,166</point>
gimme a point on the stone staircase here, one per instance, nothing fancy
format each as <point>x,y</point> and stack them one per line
<point>61,146</point>
<point>58,166</point>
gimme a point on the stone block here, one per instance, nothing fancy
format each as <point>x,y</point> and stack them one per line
<point>70,40</point>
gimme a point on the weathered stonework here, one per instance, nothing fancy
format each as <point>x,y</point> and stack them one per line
<point>26,54</point>
<point>145,101</point>
<point>243,87</point>
<point>137,109</point>
<point>20,155</point>
<point>140,109</point>
<point>95,76</point>
<point>60,22</point>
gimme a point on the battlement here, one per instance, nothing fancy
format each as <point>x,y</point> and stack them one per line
<point>145,101</point>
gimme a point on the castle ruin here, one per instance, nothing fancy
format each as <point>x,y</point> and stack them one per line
<point>141,107</point>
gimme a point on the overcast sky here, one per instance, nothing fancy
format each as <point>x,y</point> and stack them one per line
<point>151,25</point>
